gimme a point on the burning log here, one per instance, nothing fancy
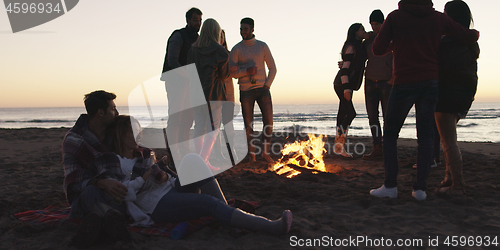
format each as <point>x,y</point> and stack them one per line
<point>301,156</point>
<point>301,169</point>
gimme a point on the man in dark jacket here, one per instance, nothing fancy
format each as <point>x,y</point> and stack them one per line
<point>180,116</point>
<point>378,85</point>
<point>413,32</point>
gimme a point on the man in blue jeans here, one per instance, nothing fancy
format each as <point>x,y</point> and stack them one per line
<point>413,32</point>
<point>246,61</point>
<point>378,85</point>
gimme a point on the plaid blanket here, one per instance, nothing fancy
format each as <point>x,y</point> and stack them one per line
<point>56,216</point>
<point>85,157</point>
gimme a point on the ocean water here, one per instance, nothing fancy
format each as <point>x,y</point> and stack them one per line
<point>480,125</point>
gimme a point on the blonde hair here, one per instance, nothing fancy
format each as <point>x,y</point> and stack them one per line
<point>210,32</point>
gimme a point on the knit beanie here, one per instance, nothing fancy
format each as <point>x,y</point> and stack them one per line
<point>377,16</point>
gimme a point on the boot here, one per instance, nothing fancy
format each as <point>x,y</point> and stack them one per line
<point>114,223</point>
<point>376,154</point>
<point>241,219</point>
<point>206,150</point>
<point>212,188</point>
<point>343,139</point>
<point>88,231</point>
<point>338,145</point>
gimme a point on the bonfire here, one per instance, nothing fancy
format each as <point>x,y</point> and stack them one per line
<point>301,154</point>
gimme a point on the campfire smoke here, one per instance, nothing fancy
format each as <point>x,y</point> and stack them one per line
<point>301,154</point>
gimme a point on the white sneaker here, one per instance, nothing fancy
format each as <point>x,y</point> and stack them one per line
<point>434,165</point>
<point>385,192</point>
<point>419,195</point>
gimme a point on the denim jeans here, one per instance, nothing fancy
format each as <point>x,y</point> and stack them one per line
<point>346,111</point>
<point>424,95</point>
<point>263,98</point>
<point>181,204</point>
<point>375,93</point>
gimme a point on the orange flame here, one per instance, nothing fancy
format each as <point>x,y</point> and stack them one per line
<point>306,154</point>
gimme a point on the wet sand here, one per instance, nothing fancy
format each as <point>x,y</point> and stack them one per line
<point>325,204</point>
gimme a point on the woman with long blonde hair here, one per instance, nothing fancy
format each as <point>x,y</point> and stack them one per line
<point>211,60</point>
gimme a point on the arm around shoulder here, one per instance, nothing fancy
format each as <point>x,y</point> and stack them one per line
<point>382,43</point>
<point>457,31</point>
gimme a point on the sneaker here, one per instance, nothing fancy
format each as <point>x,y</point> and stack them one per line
<point>434,165</point>
<point>419,195</point>
<point>385,192</point>
<point>287,216</point>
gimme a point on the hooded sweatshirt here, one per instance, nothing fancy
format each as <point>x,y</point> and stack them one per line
<point>415,30</point>
<point>212,65</point>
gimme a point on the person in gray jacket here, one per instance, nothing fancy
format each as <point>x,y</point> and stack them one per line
<point>211,60</point>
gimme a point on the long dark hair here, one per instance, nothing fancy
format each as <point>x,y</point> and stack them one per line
<point>121,125</point>
<point>459,11</point>
<point>351,35</point>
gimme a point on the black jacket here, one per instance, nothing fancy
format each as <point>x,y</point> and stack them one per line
<point>188,38</point>
<point>213,68</point>
<point>457,75</point>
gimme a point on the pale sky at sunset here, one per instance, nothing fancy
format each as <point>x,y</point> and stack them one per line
<point>116,45</point>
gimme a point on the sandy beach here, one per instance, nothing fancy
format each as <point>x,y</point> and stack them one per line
<point>336,206</point>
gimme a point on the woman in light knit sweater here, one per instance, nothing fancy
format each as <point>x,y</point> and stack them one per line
<point>348,79</point>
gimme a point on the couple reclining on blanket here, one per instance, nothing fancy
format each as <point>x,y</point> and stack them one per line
<point>108,177</point>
